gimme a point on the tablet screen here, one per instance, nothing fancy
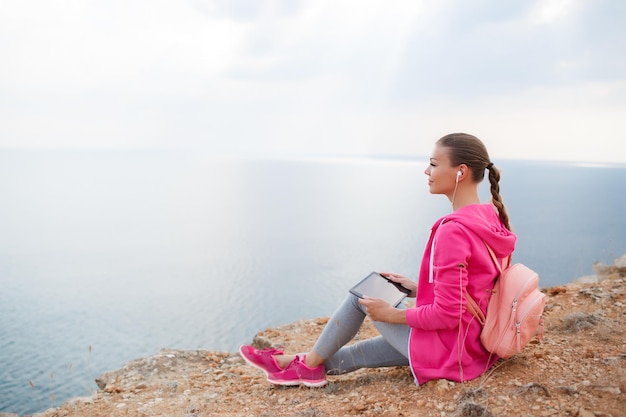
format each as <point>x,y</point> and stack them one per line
<point>376,286</point>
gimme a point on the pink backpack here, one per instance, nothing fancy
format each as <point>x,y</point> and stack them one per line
<point>515,310</point>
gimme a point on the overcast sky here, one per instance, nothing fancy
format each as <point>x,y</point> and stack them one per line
<point>543,79</point>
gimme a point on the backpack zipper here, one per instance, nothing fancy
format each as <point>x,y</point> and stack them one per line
<point>528,282</point>
<point>518,322</point>
<point>537,297</point>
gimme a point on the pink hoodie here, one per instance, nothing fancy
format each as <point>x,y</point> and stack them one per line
<point>445,338</point>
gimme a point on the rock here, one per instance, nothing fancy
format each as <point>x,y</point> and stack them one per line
<point>604,271</point>
<point>608,389</point>
<point>444,385</point>
<point>584,413</point>
<point>620,262</point>
<point>556,290</point>
<point>79,401</point>
<point>138,371</point>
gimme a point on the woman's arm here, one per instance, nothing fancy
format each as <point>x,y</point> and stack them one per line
<point>441,308</point>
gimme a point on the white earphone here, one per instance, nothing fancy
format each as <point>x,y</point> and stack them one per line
<point>456,184</point>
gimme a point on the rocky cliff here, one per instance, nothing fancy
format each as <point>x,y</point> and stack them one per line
<point>576,370</point>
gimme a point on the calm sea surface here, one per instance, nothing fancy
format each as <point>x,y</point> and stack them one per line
<point>106,257</point>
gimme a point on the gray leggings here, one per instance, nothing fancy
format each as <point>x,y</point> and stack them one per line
<point>389,349</point>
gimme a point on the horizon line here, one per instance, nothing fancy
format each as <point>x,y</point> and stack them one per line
<point>306,156</point>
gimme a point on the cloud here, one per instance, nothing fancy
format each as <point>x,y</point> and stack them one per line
<point>308,76</point>
<point>83,45</point>
<point>468,49</point>
<point>246,10</point>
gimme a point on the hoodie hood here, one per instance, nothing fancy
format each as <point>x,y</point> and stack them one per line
<point>483,220</point>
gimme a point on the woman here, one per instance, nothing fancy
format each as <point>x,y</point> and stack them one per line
<point>438,338</point>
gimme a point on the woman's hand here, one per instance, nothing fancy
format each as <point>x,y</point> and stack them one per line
<point>380,310</point>
<point>406,282</point>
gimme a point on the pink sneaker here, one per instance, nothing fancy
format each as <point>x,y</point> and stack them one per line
<point>261,358</point>
<point>297,372</point>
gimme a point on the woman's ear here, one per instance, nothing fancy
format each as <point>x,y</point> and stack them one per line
<point>463,170</point>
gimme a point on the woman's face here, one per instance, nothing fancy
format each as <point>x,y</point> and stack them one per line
<point>441,174</point>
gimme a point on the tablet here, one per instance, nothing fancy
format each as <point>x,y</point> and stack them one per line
<point>376,286</point>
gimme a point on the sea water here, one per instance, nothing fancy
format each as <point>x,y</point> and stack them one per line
<point>108,256</point>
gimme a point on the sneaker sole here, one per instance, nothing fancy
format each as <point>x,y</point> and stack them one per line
<point>306,383</point>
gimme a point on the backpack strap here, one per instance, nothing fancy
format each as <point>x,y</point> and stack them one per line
<point>473,308</point>
<point>506,262</point>
<point>472,305</point>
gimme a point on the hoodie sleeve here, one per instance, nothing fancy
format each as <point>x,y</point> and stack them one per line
<point>452,251</point>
